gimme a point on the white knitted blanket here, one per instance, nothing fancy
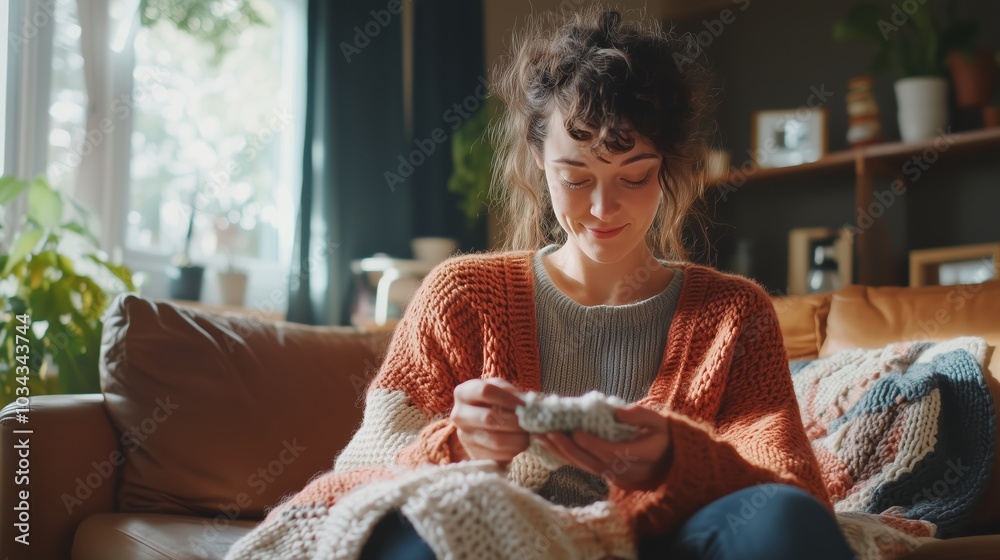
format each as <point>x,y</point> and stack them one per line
<point>464,510</point>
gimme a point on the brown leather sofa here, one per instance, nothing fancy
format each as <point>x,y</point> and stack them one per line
<point>207,420</point>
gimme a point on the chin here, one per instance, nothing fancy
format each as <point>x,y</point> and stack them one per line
<point>606,251</point>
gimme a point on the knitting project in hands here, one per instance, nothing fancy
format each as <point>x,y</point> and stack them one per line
<point>593,412</point>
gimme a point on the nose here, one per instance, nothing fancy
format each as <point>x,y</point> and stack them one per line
<point>604,203</point>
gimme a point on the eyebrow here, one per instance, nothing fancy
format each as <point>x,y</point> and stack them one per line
<point>632,159</point>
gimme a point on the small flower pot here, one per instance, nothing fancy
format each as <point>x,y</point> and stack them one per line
<point>974,77</point>
<point>233,288</point>
<point>923,107</point>
<point>185,282</point>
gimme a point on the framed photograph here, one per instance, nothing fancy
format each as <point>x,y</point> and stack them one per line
<point>947,266</point>
<point>786,137</point>
<point>819,260</point>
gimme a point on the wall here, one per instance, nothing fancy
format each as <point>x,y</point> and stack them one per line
<point>502,16</point>
<point>775,54</point>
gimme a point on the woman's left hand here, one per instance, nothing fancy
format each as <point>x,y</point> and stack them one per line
<point>637,464</point>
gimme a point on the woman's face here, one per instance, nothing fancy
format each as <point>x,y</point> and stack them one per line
<point>605,204</point>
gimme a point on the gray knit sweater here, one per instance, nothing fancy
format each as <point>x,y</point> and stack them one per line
<point>615,349</point>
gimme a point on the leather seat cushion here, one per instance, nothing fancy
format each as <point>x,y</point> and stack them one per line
<point>225,415</point>
<point>148,536</point>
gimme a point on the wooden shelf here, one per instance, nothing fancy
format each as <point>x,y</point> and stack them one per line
<point>864,164</point>
<point>877,157</point>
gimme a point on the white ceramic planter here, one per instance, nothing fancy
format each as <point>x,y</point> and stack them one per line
<point>233,288</point>
<point>432,249</point>
<point>923,107</point>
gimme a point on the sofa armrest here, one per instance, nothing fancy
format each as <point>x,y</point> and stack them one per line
<point>70,472</point>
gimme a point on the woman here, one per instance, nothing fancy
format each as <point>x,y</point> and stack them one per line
<point>601,147</point>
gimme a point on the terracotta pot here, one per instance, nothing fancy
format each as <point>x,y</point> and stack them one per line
<point>991,116</point>
<point>974,77</point>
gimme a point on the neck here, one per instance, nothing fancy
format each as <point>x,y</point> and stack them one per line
<point>635,277</point>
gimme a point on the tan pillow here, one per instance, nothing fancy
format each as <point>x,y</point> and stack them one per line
<point>802,320</point>
<point>223,415</point>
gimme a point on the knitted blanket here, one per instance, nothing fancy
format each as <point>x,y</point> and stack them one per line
<point>905,438</point>
<point>469,509</point>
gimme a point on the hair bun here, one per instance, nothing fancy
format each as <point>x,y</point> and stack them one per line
<point>609,24</point>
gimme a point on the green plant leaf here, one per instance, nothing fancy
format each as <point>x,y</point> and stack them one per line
<point>120,272</point>
<point>24,245</point>
<point>81,231</point>
<point>861,23</point>
<point>11,188</point>
<point>45,205</point>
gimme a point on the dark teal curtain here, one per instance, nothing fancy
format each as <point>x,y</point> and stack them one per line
<point>449,84</point>
<point>353,203</point>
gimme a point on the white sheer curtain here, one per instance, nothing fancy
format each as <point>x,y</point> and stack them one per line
<point>102,175</point>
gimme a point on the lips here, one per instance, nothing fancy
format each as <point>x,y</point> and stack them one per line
<point>604,233</point>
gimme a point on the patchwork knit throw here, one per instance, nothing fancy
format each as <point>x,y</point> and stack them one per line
<point>469,509</point>
<point>904,436</point>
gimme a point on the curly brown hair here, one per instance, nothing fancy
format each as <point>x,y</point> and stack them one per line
<point>609,78</point>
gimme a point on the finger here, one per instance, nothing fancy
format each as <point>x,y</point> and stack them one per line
<point>479,452</point>
<point>641,417</point>
<point>548,446</point>
<point>503,393</point>
<point>574,454</point>
<point>515,443</point>
<point>472,417</point>
<point>488,393</point>
<point>602,450</point>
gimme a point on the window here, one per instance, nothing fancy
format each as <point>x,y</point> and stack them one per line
<point>210,143</point>
<point>68,98</point>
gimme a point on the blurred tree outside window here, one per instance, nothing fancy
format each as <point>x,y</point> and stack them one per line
<point>213,114</point>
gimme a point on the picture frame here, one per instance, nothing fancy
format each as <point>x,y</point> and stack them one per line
<point>787,137</point>
<point>801,247</point>
<point>947,266</point>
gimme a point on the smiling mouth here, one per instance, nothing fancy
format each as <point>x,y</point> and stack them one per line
<point>604,233</point>
<point>605,230</point>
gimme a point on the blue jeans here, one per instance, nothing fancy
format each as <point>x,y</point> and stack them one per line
<point>771,521</point>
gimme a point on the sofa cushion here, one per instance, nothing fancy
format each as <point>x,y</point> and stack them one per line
<point>227,414</point>
<point>130,536</point>
<point>803,323</point>
<point>870,317</point>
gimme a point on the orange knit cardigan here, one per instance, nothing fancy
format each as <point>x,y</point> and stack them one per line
<point>723,385</point>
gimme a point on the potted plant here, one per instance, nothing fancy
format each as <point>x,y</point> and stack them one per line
<point>912,48</point>
<point>185,276</point>
<point>54,287</point>
<point>232,283</point>
<point>973,68</point>
<point>991,112</point>
<point>472,162</point>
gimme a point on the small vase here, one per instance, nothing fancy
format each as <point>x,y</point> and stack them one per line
<point>991,116</point>
<point>974,77</point>
<point>923,107</point>
<point>432,249</point>
<point>233,288</point>
<point>185,282</point>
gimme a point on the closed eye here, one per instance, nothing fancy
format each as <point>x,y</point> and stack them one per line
<point>571,185</point>
<point>637,184</point>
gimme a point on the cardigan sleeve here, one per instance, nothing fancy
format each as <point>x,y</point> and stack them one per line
<point>756,437</point>
<point>433,349</point>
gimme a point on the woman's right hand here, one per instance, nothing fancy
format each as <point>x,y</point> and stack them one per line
<point>487,424</point>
